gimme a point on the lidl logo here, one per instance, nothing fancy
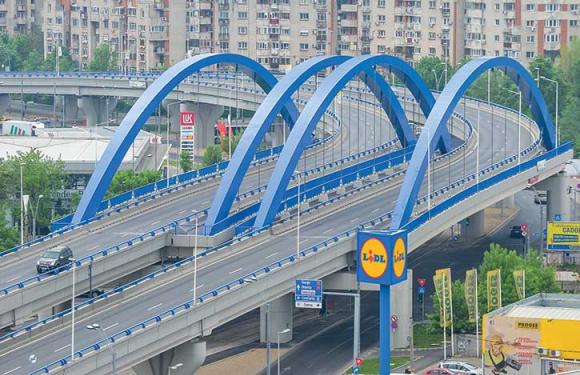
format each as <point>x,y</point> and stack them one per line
<point>373,258</point>
<point>399,257</point>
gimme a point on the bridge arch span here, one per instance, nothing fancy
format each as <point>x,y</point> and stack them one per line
<point>146,104</point>
<point>300,136</point>
<point>441,112</point>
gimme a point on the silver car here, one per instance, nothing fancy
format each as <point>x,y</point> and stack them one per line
<point>461,368</point>
<point>53,258</point>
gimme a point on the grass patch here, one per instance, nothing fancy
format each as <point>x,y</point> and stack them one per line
<point>425,337</point>
<point>371,365</point>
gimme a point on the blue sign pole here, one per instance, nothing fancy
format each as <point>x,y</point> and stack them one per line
<point>385,330</point>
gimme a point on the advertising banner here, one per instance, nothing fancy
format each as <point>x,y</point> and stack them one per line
<point>446,293</point>
<point>510,345</point>
<point>470,293</point>
<point>493,290</point>
<point>563,235</point>
<point>519,277</point>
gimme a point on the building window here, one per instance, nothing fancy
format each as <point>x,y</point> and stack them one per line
<point>551,23</point>
<point>552,7</point>
<point>573,23</point>
<point>243,15</point>
<point>242,30</point>
<point>552,38</point>
<point>531,39</point>
<point>303,46</point>
<point>530,54</point>
<point>497,22</point>
<point>432,4</point>
<point>381,3</point>
<point>242,45</point>
<point>381,33</point>
<point>530,23</point>
<point>432,36</point>
<point>530,7</point>
<point>304,16</point>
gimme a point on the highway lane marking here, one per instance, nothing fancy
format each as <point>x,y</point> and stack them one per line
<point>12,279</point>
<point>328,231</point>
<point>271,255</point>
<point>154,307</point>
<point>111,326</point>
<point>375,210</point>
<point>354,220</point>
<point>156,222</point>
<point>64,347</point>
<point>11,371</point>
<point>234,271</point>
<point>191,290</point>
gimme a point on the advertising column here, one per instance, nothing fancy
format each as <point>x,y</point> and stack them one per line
<point>187,133</point>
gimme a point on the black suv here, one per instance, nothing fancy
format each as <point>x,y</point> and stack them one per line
<point>516,232</point>
<point>53,258</point>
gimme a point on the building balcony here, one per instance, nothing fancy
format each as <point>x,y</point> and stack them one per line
<point>474,13</point>
<point>349,38</point>
<point>205,5</point>
<point>205,20</point>
<point>473,28</point>
<point>509,14</point>
<point>158,35</point>
<point>474,44</point>
<point>349,23</point>
<point>349,8</point>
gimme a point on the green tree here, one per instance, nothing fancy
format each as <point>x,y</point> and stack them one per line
<point>185,161</point>
<point>225,143</point>
<point>104,59</point>
<point>8,234</point>
<point>128,180</point>
<point>42,176</point>
<point>212,155</point>
<point>539,279</point>
<point>65,62</point>
<point>432,70</point>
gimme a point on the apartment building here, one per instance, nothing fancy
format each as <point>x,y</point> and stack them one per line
<point>138,31</point>
<point>19,16</point>
<point>150,34</point>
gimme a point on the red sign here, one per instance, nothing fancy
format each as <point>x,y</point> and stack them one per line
<point>533,180</point>
<point>422,282</point>
<point>187,118</point>
<point>524,227</point>
<point>358,361</point>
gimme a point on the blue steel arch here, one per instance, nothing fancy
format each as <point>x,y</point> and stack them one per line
<point>266,113</point>
<point>146,104</point>
<point>299,137</point>
<point>442,111</point>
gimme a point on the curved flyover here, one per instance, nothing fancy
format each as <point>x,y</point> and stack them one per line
<point>299,137</point>
<point>436,123</point>
<point>146,104</point>
<point>271,106</point>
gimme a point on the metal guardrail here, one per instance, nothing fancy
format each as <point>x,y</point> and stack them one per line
<point>292,258</point>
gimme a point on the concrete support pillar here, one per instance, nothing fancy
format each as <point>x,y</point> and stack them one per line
<point>50,311</point>
<point>205,119</point>
<point>97,110</point>
<point>508,202</point>
<point>277,134</point>
<point>558,199</point>
<point>4,103</point>
<point>474,226</point>
<point>402,310</point>
<point>191,354</point>
<point>280,319</point>
<point>71,108</point>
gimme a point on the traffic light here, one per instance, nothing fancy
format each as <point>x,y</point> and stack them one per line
<point>421,297</point>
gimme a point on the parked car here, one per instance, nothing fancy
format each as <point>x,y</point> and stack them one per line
<point>516,232</point>
<point>437,371</point>
<point>541,198</point>
<point>53,258</point>
<point>460,368</point>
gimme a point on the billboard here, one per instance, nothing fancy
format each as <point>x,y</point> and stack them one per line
<point>563,235</point>
<point>510,345</point>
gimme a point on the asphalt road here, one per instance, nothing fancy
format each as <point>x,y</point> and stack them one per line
<point>122,315</point>
<point>184,206</point>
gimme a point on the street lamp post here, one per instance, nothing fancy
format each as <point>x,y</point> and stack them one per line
<point>279,333</point>
<point>168,143</point>
<point>519,120</point>
<point>72,310</point>
<point>446,66</point>
<point>34,215</point>
<point>21,205</point>
<point>557,89</point>
<point>175,367</point>
<point>195,260</point>
<point>97,327</point>
<point>297,173</point>
<point>436,79</point>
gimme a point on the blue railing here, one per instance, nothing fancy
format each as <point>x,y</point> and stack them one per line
<point>154,321</point>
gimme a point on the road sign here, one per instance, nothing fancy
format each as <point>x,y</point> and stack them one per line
<point>358,361</point>
<point>524,233</point>
<point>356,370</point>
<point>308,294</point>
<point>422,282</point>
<point>421,290</point>
<point>557,217</point>
<point>524,227</point>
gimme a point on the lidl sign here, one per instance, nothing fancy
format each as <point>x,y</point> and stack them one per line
<point>382,256</point>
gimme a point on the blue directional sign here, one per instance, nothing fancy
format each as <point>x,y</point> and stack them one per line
<point>557,217</point>
<point>421,290</point>
<point>308,294</point>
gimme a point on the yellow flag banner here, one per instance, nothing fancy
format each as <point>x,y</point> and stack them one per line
<point>519,279</point>
<point>470,293</point>
<point>438,282</point>
<point>445,274</point>
<point>493,290</point>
